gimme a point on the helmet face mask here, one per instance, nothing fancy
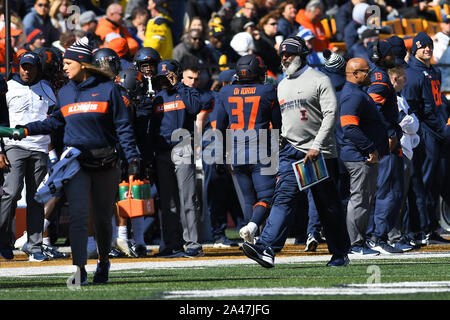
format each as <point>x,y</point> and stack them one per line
<point>146,61</point>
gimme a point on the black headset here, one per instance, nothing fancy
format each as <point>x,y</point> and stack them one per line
<point>375,57</point>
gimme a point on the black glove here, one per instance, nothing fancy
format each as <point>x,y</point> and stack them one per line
<point>134,169</point>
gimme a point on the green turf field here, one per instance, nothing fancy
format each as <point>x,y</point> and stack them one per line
<point>403,279</point>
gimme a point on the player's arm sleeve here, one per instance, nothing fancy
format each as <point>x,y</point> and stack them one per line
<point>379,91</point>
<point>190,97</point>
<point>328,106</point>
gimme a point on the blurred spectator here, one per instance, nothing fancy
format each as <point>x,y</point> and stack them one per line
<point>358,24</point>
<point>225,14</point>
<point>359,49</point>
<point>59,15</point>
<point>221,50</point>
<point>192,51</point>
<point>38,18</point>
<point>137,23</point>
<point>158,34</point>
<point>242,42</point>
<point>196,23</point>
<point>113,23</point>
<point>310,18</point>
<point>131,4</point>
<point>442,38</point>
<point>120,45</point>
<point>287,26</point>
<point>246,14</point>
<point>265,42</point>
<point>202,8</point>
<point>422,10</point>
<point>266,6</point>
<point>15,33</point>
<point>344,17</point>
<point>66,40</point>
<point>312,58</point>
<point>88,21</point>
<point>35,40</point>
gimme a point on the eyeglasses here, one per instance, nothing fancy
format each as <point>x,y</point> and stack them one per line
<point>46,5</point>
<point>364,70</point>
<point>196,39</point>
<point>274,23</point>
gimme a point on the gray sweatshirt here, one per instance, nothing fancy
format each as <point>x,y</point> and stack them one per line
<point>309,111</point>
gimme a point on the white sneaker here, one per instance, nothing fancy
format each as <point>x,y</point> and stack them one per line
<point>246,234</point>
<point>123,246</point>
<point>21,241</point>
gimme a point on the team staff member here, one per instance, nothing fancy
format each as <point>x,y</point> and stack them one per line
<point>172,127</point>
<point>250,105</point>
<point>423,94</point>
<point>308,108</point>
<point>93,114</point>
<point>390,182</point>
<point>363,140</point>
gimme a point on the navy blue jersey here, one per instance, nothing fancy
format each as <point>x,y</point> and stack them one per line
<point>247,107</point>
<point>423,94</point>
<point>93,116</point>
<point>385,97</point>
<point>363,130</point>
<point>172,110</point>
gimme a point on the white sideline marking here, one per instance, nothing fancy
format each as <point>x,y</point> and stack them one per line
<point>352,289</point>
<point>198,263</point>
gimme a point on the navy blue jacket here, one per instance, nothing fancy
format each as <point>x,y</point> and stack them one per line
<point>173,109</point>
<point>423,94</point>
<point>362,127</point>
<point>93,115</point>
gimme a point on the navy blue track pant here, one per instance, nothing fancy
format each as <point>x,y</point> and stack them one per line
<point>389,196</point>
<point>220,197</point>
<point>326,198</point>
<point>257,189</point>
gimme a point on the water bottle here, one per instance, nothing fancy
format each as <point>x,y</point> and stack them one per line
<point>123,190</point>
<point>136,189</point>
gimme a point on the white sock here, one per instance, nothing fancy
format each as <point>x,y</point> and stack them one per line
<point>138,230</point>
<point>122,232</point>
<point>253,227</point>
<point>91,246</point>
<point>46,241</point>
<point>46,224</point>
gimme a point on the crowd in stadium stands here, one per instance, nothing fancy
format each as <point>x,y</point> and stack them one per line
<point>387,61</point>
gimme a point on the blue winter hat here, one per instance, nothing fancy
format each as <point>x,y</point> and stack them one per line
<point>80,51</point>
<point>398,46</point>
<point>384,47</point>
<point>30,58</point>
<point>420,40</point>
<point>227,75</point>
